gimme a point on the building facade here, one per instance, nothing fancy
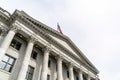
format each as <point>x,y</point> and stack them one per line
<point>31,50</point>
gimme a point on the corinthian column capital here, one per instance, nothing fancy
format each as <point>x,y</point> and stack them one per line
<point>59,56</point>
<point>32,39</point>
<point>3,32</point>
<point>15,28</point>
<point>70,65</point>
<point>47,48</point>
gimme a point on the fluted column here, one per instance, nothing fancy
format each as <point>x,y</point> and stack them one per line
<point>45,64</point>
<point>59,69</point>
<point>7,40</point>
<point>80,74</point>
<point>71,74</point>
<point>25,63</point>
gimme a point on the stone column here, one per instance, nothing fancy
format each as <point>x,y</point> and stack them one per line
<point>97,79</point>
<point>88,77</point>
<point>45,64</point>
<point>1,35</point>
<point>59,68</point>
<point>71,74</point>
<point>25,63</point>
<point>7,40</point>
<point>80,74</point>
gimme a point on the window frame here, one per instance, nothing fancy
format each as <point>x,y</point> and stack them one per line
<point>7,62</point>
<point>33,56</point>
<point>16,44</point>
<point>48,77</point>
<point>30,73</point>
<point>49,63</point>
<point>68,75</point>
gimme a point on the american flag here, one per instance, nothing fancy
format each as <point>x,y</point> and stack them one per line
<point>59,29</point>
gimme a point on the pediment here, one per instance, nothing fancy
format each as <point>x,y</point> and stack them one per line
<point>65,44</point>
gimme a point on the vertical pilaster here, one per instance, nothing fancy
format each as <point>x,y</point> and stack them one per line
<point>45,64</point>
<point>71,74</point>
<point>7,40</point>
<point>59,69</point>
<point>25,63</point>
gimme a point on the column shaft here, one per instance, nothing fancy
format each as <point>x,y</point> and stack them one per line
<point>71,74</point>
<point>1,35</point>
<point>25,63</point>
<point>45,65</point>
<point>88,77</point>
<point>6,42</point>
<point>59,69</point>
<point>80,75</point>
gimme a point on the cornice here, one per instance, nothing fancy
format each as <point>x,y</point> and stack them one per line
<point>4,18</point>
<point>5,12</point>
<point>18,15</point>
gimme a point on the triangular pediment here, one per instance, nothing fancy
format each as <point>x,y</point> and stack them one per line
<point>65,44</point>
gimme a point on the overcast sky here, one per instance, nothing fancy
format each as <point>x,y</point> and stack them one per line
<point>93,25</point>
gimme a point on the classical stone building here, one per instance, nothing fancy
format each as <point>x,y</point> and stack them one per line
<point>31,50</point>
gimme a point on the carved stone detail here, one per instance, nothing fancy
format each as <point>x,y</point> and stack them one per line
<point>32,39</point>
<point>47,48</point>
<point>59,57</point>
<point>3,32</point>
<point>69,64</point>
<point>15,28</point>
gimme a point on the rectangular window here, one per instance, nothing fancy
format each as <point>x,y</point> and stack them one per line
<point>34,55</point>
<point>77,78</point>
<point>68,74</point>
<point>49,63</point>
<point>30,72</point>
<point>84,77</point>
<point>7,63</point>
<point>48,77</point>
<point>0,31</point>
<point>56,67</point>
<point>15,44</point>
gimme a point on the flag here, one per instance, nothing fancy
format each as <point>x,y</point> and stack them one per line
<point>59,29</point>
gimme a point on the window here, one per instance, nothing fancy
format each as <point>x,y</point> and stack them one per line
<point>30,72</point>
<point>0,32</point>
<point>84,77</point>
<point>49,63</point>
<point>56,67</point>
<point>68,74</point>
<point>15,44</point>
<point>7,63</point>
<point>48,77</point>
<point>77,78</point>
<point>34,55</point>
